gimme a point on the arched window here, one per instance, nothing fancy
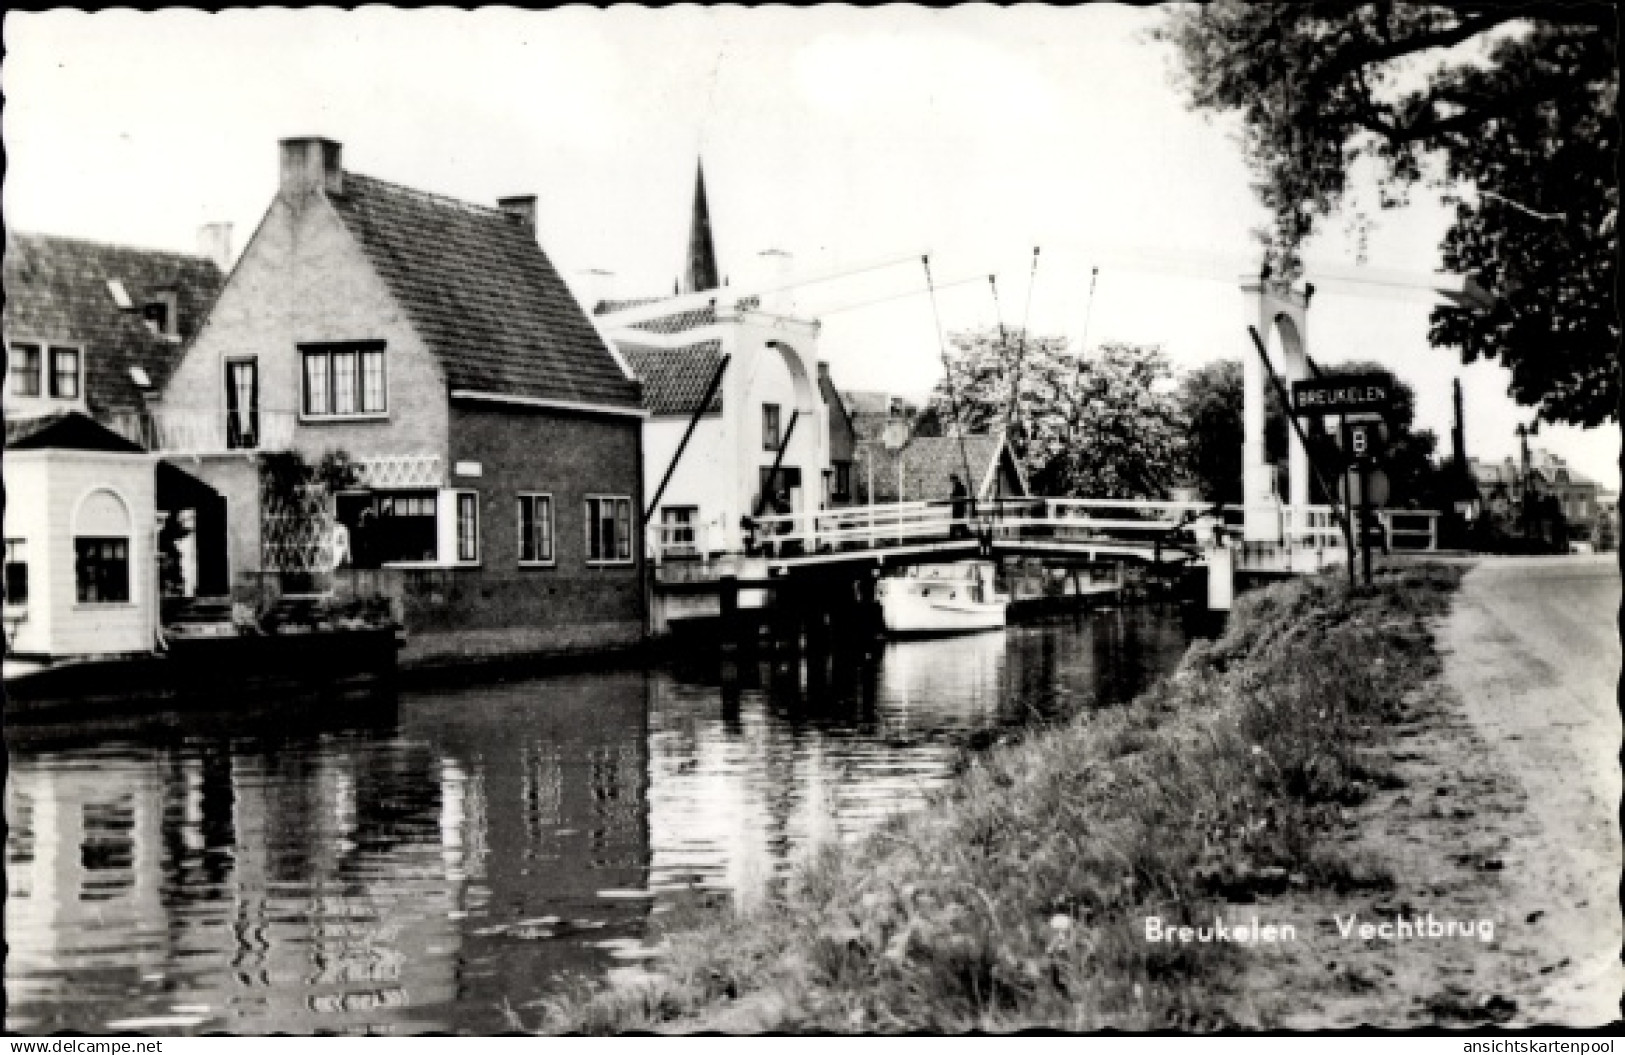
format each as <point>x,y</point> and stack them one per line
<point>101,549</point>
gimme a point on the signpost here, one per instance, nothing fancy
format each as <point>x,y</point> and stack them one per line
<point>1362,402</point>
<point>1352,394</point>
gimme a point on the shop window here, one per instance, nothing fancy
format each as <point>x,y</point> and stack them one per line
<point>101,570</point>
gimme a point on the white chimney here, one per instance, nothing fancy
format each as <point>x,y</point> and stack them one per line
<point>776,274</point>
<point>596,286</point>
<point>311,164</point>
<point>214,242</point>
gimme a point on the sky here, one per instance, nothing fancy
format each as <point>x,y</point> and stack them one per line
<point>841,136</point>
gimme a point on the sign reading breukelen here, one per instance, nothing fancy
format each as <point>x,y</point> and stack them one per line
<point>1355,393</point>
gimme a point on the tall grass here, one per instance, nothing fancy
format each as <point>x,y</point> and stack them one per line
<point>1019,899</point>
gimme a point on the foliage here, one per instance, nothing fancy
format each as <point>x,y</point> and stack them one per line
<point>283,473</point>
<point>1210,400</point>
<point>1020,899</point>
<point>1210,405</point>
<point>1098,425</point>
<point>1510,109</point>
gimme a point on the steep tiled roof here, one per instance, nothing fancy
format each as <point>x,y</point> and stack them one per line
<point>928,463</point>
<point>483,295</point>
<point>675,379</point>
<point>57,290</point>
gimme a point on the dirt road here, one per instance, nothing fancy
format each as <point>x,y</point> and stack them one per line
<point>1532,651</point>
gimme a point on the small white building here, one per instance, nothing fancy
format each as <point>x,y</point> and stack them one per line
<point>738,417</point>
<point>81,547</point>
<point>92,331</point>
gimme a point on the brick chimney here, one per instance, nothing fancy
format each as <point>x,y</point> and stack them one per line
<point>214,242</point>
<point>311,164</point>
<point>522,207</point>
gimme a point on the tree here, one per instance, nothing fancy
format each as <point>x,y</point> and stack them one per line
<point>1510,110</point>
<point>1099,425</point>
<point>1210,406</point>
<point>1210,401</point>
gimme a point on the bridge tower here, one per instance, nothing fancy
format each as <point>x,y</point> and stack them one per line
<point>1279,314</point>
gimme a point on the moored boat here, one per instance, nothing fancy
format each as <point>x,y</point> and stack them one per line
<point>941,599</point>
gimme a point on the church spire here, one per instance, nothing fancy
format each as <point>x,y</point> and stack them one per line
<point>700,271</point>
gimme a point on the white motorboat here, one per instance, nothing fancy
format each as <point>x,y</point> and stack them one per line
<point>941,599</point>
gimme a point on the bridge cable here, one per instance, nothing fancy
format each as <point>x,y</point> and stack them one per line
<point>1088,312</point>
<point>948,372</point>
<point>1015,383</point>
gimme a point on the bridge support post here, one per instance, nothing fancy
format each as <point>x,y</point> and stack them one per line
<point>1221,578</point>
<point>1273,308</point>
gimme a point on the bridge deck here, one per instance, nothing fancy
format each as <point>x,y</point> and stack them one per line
<point>1308,539</point>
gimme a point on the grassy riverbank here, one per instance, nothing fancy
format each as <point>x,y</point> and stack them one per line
<point>1020,900</point>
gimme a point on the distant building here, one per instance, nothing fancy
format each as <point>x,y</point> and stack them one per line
<point>872,412</point>
<point>92,333</point>
<point>493,437</point>
<point>843,438</point>
<point>762,443</point>
<point>922,469</point>
<point>1503,486</point>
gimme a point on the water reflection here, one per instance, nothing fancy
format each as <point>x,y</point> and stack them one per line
<point>442,861</point>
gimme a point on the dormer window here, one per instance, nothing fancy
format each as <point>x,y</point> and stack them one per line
<point>25,370</point>
<point>64,373</point>
<point>39,370</point>
<point>162,313</point>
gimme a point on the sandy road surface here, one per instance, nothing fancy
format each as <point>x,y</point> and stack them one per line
<point>1532,650</point>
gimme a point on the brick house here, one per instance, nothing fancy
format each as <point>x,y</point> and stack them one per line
<point>92,332</point>
<point>493,438</point>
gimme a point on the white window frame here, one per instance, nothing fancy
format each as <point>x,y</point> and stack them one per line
<point>631,531</point>
<point>49,370</point>
<point>456,518</point>
<point>778,426</point>
<point>327,349</point>
<point>11,604</point>
<point>46,347</point>
<point>520,498</point>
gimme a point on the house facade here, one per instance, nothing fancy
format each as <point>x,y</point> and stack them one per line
<point>738,424</point>
<point>1502,487</point>
<point>92,332</point>
<point>395,391</point>
<point>913,468</point>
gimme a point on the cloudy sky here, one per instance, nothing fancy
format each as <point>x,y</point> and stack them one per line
<point>840,136</point>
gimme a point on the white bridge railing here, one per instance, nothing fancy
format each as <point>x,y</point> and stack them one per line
<point>1305,538</point>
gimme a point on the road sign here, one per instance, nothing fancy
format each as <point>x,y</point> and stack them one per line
<point>1353,394</point>
<point>1363,439</point>
<point>1376,488</point>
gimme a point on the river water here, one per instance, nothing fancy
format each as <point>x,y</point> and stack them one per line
<point>445,860</point>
